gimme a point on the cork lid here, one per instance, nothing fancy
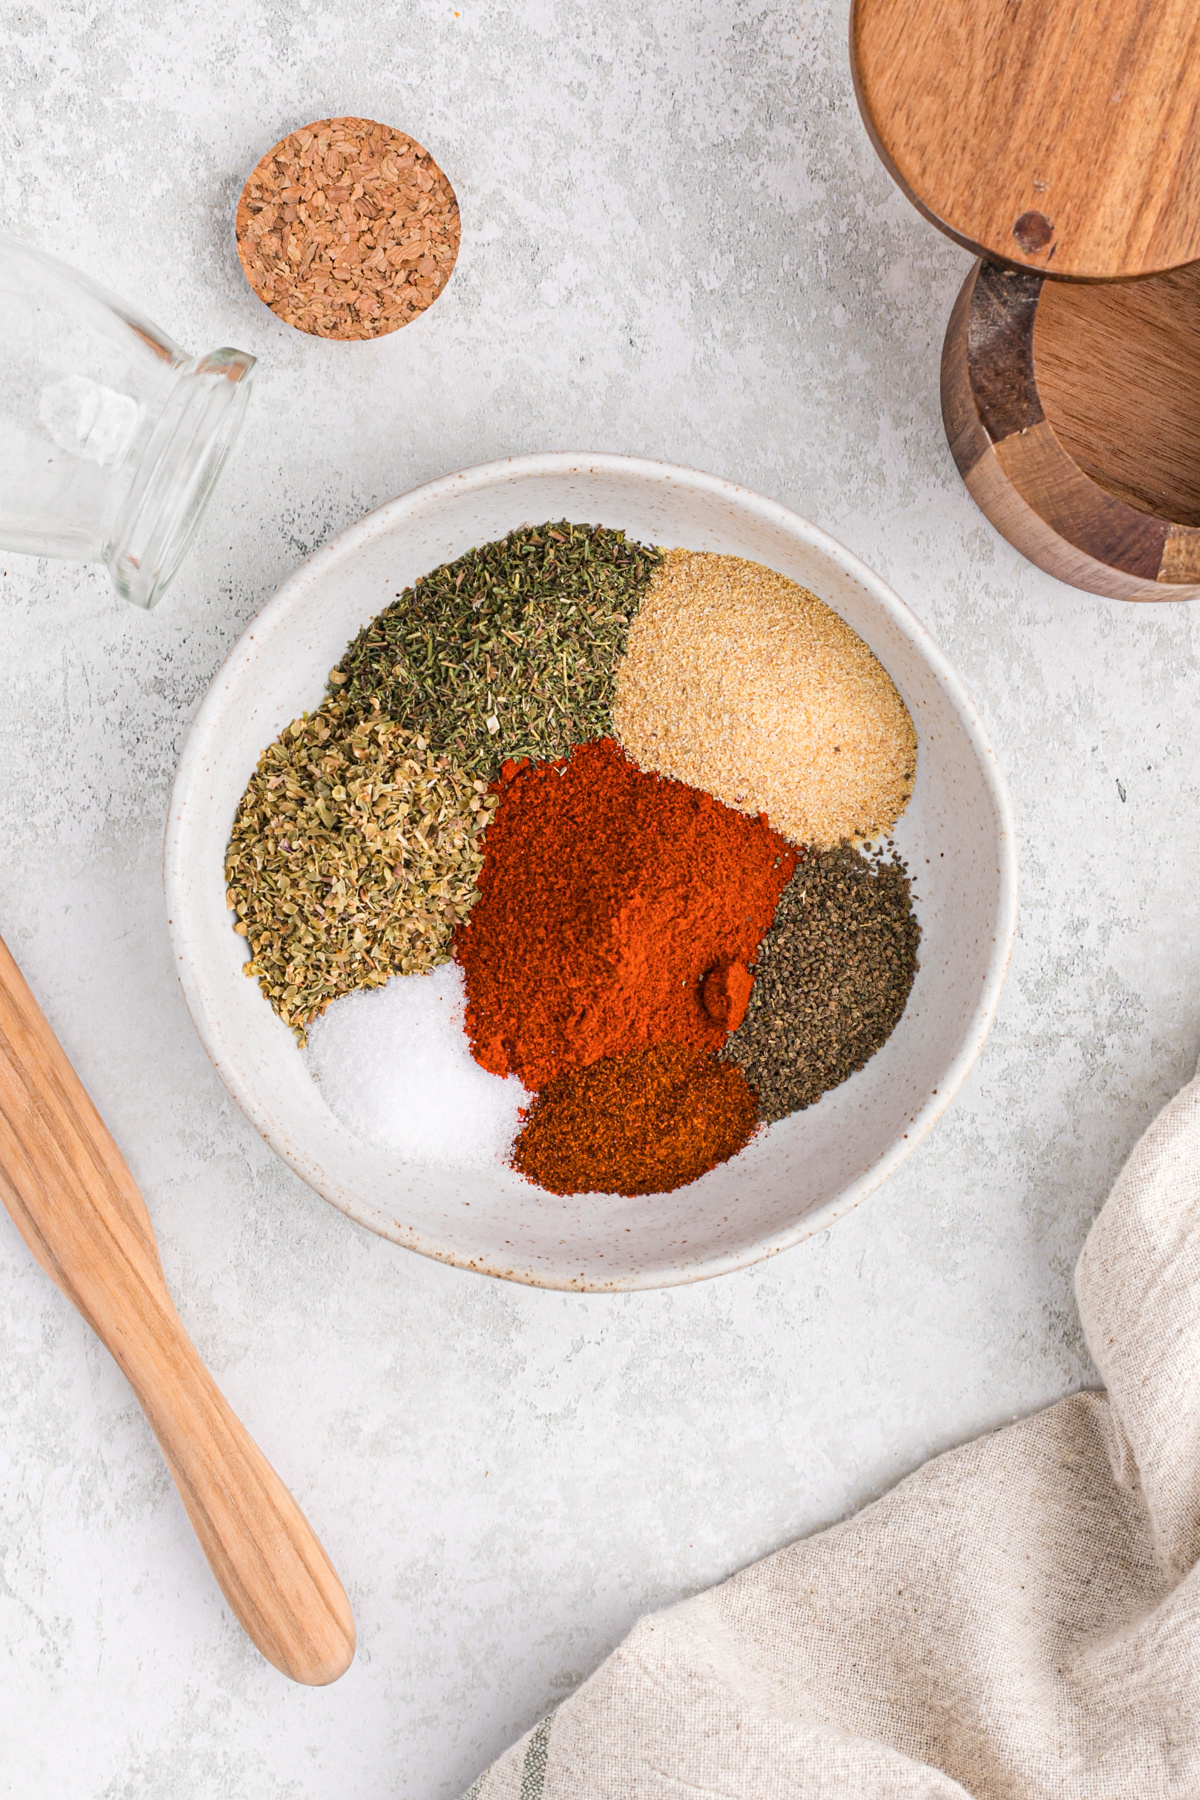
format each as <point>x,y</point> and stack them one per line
<point>1061,135</point>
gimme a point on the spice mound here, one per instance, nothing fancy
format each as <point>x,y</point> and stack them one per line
<point>353,857</point>
<point>622,788</point>
<point>746,685</point>
<point>394,1065</point>
<point>643,1123</point>
<point>509,651</point>
<point>347,229</point>
<point>607,898</point>
<point>832,977</point>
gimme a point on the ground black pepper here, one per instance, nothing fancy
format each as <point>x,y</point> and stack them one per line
<point>831,979</point>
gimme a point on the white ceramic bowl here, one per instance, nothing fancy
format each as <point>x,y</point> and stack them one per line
<point>799,1175</point>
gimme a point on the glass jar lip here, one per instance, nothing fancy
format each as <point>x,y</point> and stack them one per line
<point>178,463</point>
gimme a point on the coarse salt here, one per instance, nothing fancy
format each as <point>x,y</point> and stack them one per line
<point>394,1065</point>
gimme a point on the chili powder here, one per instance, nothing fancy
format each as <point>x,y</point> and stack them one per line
<point>643,1123</point>
<point>606,897</point>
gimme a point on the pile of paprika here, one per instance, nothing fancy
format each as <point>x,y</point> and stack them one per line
<point>607,899</point>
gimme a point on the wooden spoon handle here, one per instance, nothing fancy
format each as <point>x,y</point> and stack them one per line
<point>78,1208</point>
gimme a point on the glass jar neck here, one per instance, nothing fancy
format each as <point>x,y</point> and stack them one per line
<point>171,469</point>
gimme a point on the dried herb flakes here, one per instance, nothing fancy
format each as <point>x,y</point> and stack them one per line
<point>831,979</point>
<point>508,651</point>
<point>352,858</point>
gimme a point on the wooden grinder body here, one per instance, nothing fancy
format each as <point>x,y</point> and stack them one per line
<point>1060,139</point>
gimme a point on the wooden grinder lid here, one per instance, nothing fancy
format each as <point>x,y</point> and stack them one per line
<point>1061,135</point>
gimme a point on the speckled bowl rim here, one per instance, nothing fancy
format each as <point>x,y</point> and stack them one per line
<point>202,740</point>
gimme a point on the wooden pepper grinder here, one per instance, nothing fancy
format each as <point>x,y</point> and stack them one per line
<point>1060,140</point>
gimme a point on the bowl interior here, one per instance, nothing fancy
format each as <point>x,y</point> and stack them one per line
<point>798,1175</point>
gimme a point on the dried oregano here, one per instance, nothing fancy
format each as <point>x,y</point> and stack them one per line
<point>510,650</point>
<point>353,856</point>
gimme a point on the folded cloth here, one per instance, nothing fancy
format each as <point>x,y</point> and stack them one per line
<point>1020,1618</point>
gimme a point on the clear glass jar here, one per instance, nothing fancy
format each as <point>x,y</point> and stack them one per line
<point>111,436</point>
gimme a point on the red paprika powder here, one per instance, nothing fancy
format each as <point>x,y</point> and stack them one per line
<point>726,993</point>
<point>606,897</point>
<point>643,1123</point>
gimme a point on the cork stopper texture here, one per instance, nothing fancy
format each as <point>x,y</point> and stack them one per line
<point>347,229</point>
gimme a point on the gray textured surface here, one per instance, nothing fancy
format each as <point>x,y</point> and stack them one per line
<point>676,243</point>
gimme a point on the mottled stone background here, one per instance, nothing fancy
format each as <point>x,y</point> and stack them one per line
<point>676,242</point>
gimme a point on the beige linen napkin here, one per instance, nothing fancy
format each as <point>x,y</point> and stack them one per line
<point>1020,1618</point>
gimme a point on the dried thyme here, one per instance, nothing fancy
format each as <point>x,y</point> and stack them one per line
<point>832,977</point>
<point>508,651</point>
<point>352,858</point>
